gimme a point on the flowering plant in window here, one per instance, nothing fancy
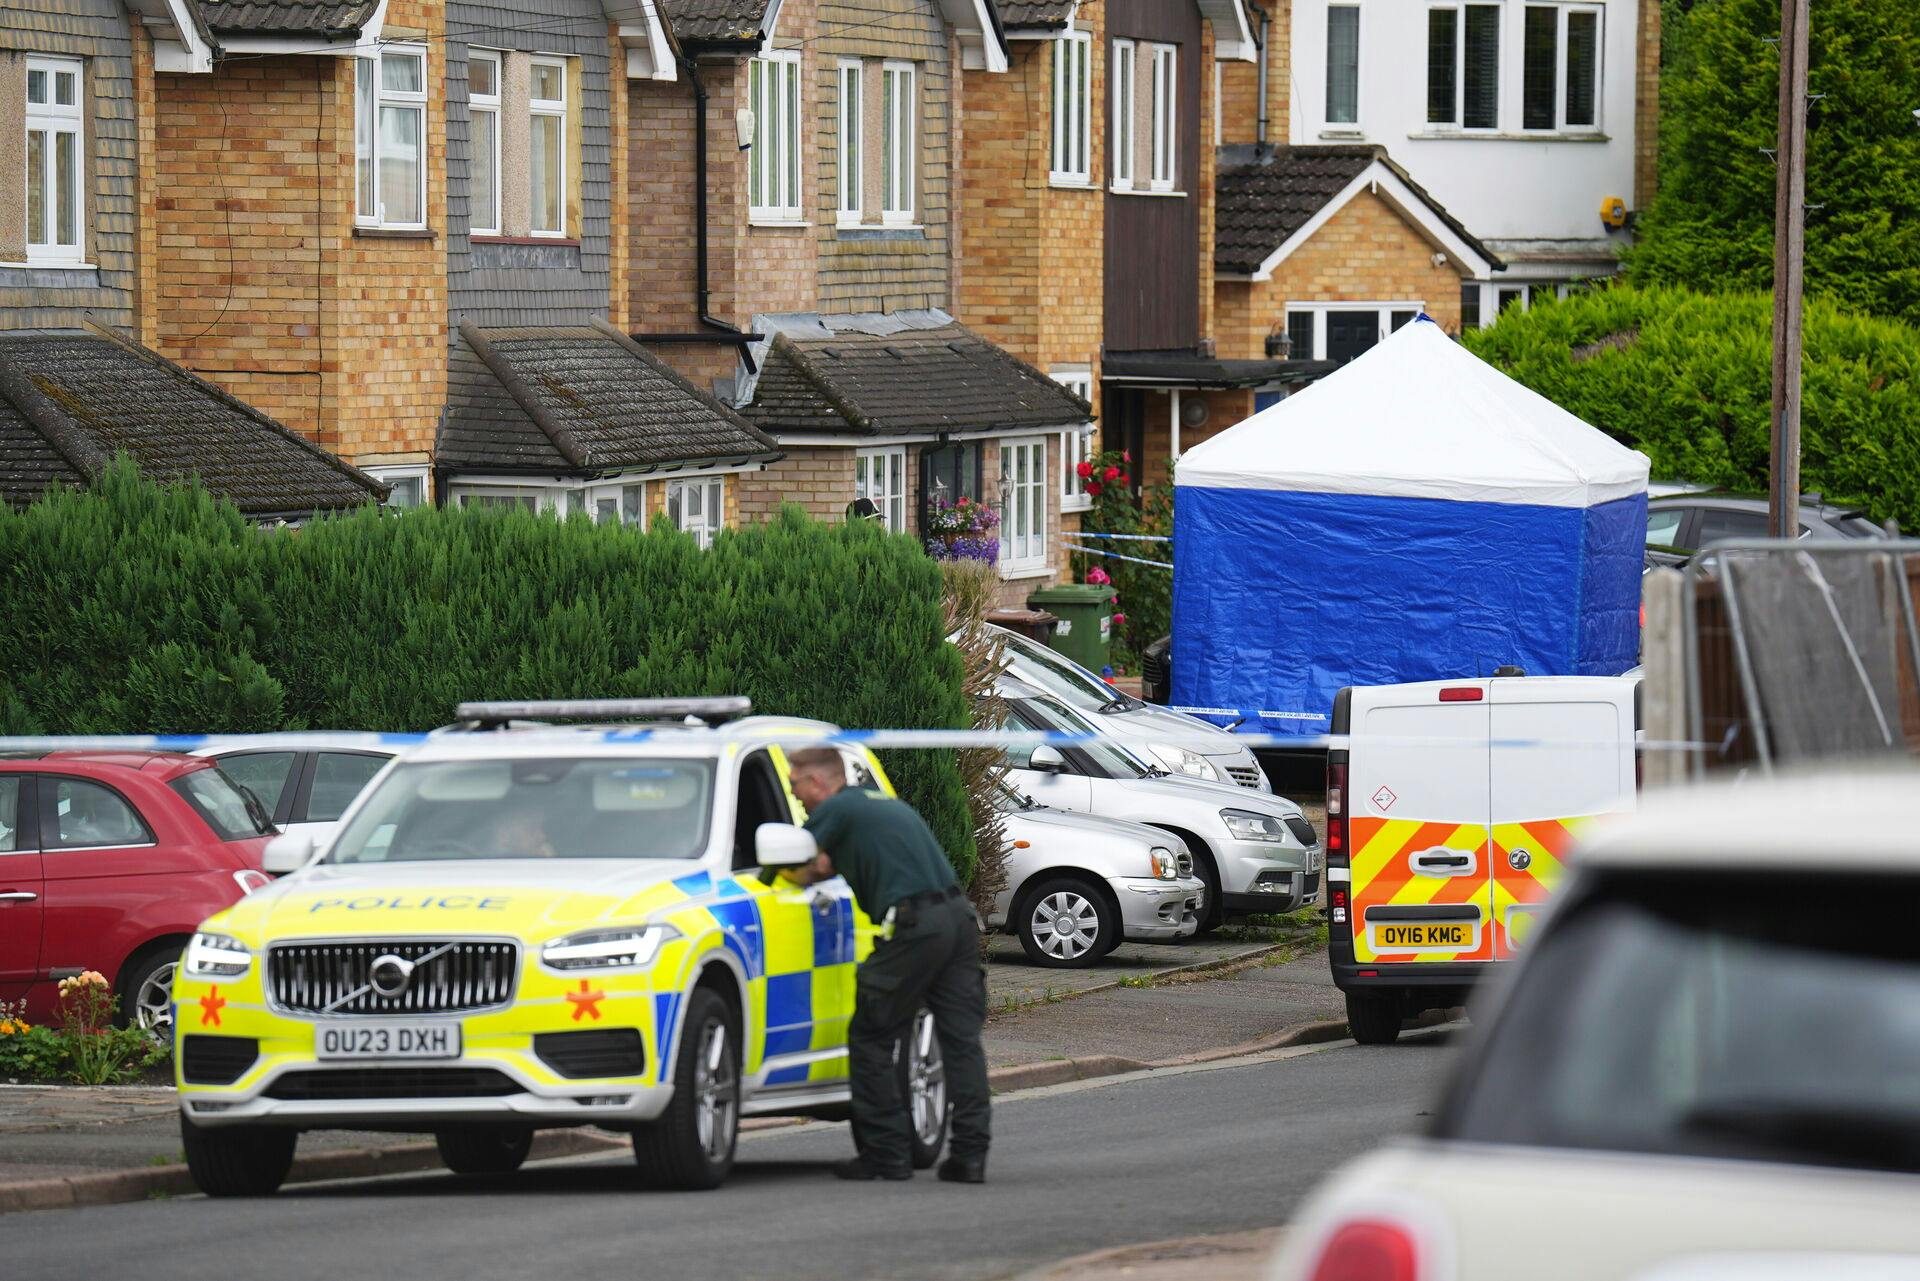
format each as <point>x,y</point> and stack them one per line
<point>962,530</point>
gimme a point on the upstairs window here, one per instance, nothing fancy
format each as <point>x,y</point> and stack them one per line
<point>1123,71</point>
<point>483,143</point>
<point>773,168</point>
<point>852,125</point>
<point>1463,66</point>
<point>547,148</point>
<point>1072,107</point>
<point>1343,64</point>
<point>389,138</point>
<point>1560,82</point>
<point>1165,116</point>
<point>899,112</point>
<point>54,181</point>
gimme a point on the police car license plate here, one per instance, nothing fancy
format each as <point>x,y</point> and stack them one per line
<point>1422,936</point>
<point>387,1040</point>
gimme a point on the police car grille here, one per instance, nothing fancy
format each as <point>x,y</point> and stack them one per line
<point>1245,775</point>
<point>333,978</point>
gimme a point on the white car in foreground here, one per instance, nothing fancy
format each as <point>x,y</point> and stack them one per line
<point>1078,885</point>
<point>302,788</point>
<point>1706,1067</point>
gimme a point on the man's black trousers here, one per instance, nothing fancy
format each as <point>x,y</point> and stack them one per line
<point>932,960</point>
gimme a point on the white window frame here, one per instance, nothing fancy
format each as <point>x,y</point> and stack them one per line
<point>411,471</point>
<point>775,91</point>
<point>1359,62</point>
<point>852,91</point>
<point>1124,73</point>
<point>899,130</point>
<point>1560,125</point>
<point>615,490</point>
<point>547,500</point>
<point>57,121</point>
<point>1020,554</point>
<point>1320,310</point>
<point>881,474</point>
<point>713,495</point>
<point>1163,160</point>
<point>1072,110</point>
<point>1076,444</point>
<point>372,99</point>
<point>549,109</point>
<point>1458,124</point>
<point>484,222</point>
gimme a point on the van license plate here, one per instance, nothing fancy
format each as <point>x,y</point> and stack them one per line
<point>1423,936</point>
<point>387,1041</point>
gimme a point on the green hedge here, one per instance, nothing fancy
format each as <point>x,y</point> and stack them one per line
<point>1685,378</point>
<point>159,610</point>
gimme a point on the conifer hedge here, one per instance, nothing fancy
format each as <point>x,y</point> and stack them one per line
<point>142,608</point>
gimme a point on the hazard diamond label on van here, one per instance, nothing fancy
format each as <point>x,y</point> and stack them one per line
<point>1384,798</point>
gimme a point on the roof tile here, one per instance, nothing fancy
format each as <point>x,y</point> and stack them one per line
<point>697,20</point>
<point>288,18</point>
<point>1036,13</point>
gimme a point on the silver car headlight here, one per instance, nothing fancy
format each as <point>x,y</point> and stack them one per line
<point>1166,866</point>
<point>1182,761</point>
<point>622,949</point>
<point>1245,825</point>
<point>217,956</point>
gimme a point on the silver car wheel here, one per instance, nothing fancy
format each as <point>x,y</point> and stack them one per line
<point>1066,925</point>
<point>716,1087</point>
<point>153,1004</point>
<point>926,1081</point>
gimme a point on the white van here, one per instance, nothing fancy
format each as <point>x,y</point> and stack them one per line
<point>1449,809</point>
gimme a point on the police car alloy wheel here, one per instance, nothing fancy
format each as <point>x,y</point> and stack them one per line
<point>923,1086</point>
<point>691,1145</point>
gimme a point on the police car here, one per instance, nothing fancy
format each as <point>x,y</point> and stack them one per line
<point>534,928</point>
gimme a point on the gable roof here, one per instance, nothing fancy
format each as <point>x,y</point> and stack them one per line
<point>902,374</point>
<point>580,400</point>
<point>1049,15</point>
<point>325,18</point>
<point>1270,200</point>
<point>719,21</point>
<point>70,400</point>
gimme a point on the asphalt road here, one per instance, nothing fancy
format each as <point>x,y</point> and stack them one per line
<point>1074,1168</point>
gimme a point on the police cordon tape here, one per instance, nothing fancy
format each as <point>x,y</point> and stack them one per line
<point>1095,551</point>
<point>811,735</point>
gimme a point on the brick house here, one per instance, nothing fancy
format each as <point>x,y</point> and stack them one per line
<point>830,236</point>
<point>84,285</point>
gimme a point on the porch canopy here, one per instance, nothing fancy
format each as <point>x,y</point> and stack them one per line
<point>1417,515</point>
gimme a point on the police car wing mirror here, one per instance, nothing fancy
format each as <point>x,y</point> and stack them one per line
<point>1047,760</point>
<point>783,845</point>
<point>287,852</point>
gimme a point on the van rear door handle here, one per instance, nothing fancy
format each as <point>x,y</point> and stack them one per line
<point>17,896</point>
<point>1442,861</point>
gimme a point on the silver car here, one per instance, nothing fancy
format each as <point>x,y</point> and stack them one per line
<point>1078,885</point>
<point>1257,853</point>
<point>1181,744</point>
<point>302,788</point>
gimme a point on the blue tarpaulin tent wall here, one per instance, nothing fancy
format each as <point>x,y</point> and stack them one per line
<point>1415,516</point>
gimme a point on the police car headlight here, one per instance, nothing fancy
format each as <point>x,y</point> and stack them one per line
<point>217,956</point>
<point>1182,761</point>
<point>1245,825</point>
<point>607,949</point>
<point>1165,866</point>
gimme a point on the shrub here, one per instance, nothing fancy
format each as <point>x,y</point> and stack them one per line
<point>158,609</point>
<point>1144,611</point>
<point>1685,378</point>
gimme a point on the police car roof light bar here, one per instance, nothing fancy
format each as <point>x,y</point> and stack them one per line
<point>705,711</point>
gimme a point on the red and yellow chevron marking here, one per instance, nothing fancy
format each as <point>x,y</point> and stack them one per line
<point>1546,842</point>
<point>1383,875</point>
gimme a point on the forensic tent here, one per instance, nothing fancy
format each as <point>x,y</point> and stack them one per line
<point>1416,515</point>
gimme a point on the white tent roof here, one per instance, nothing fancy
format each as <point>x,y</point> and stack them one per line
<point>1420,417</point>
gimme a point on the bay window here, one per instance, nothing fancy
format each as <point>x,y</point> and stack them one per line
<point>773,168</point>
<point>1072,107</point>
<point>483,133</point>
<point>547,148</point>
<point>1023,504</point>
<point>55,182</point>
<point>899,111</point>
<point>881,475</point>
<point>1463,66</point>
<point>389,137</point>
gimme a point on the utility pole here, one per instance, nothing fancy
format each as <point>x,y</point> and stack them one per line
<point>1789,261</point>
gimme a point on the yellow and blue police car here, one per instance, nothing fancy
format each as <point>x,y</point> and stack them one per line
<point>538,927</point>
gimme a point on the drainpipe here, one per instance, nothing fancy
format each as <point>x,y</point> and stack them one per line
<point>1173,414</point>
<point>703,290</point>
<point>1265,23</point>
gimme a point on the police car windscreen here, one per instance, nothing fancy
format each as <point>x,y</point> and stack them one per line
<point>537,808</point>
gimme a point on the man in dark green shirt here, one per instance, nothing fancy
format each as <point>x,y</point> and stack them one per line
<point>931,956</point>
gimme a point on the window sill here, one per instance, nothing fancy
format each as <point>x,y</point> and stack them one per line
<point>1066,183</point>
<point>488,238</point>
<point>1146,191</point>
<point>56,265</point>
<point>395,233</point>
<point>1076,503</point>
<point>779,224</point>
<point>1496,135</point>
<point>1015,573</point>
<point>1344,133</point>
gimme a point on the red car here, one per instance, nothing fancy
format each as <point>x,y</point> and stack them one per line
<point>108,860</point>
